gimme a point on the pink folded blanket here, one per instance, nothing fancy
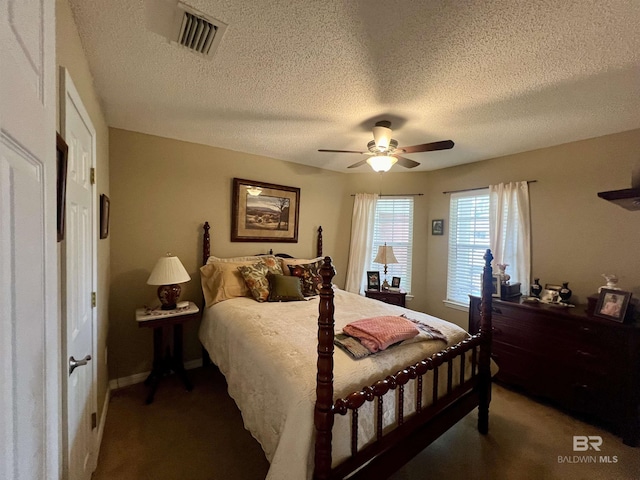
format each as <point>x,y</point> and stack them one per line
<point>377,333</point>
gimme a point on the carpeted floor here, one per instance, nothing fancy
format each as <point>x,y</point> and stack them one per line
<point>199,435</point>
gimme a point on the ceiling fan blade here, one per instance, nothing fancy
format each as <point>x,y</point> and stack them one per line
<point>343,151</point>
<point>428,147</point>
<point>405,162</point>
<point>358,164</point>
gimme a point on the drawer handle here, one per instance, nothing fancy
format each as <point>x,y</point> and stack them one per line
<point>585,354</point>
<point>584,329</point>
<point>580,385</point>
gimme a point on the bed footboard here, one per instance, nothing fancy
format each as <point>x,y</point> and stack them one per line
<point>437,405</point>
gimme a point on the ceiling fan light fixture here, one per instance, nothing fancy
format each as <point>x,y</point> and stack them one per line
<point>381,163</point>
<point>382,137</point>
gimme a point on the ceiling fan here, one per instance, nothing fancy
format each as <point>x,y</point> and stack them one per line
<point>384,151</point>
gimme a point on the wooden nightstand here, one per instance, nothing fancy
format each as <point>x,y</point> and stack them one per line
<point>387,296</point>
<point>163,364</point>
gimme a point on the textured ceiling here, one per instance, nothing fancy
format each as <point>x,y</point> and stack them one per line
<point>292,76</point>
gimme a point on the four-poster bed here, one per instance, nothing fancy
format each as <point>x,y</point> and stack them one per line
<point>358,418</point>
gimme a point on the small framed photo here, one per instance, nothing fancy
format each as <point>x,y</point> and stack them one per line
<point>551,286</point>
<point>496,284</point>
<point>105,207</point>
<point>373,281</point>
<point>395,282</point>
<point>550,295</point>
<point>437,227</point>
<point>612,304</point>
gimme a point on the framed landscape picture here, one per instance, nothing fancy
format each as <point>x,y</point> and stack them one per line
<point>264,212</point>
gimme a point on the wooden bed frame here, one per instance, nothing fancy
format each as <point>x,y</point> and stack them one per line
<point>413,433</point>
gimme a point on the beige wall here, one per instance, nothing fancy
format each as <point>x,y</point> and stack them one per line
<point>69,54</point>
<point>576,236</point>
<point>162,191</point>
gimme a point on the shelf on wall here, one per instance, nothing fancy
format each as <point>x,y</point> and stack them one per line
<point>628,198</point>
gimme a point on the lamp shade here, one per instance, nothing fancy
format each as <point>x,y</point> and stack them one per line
<point>382,137</point>
<point>385,255</point>
<point>381,163</point>
<point>168,270</point>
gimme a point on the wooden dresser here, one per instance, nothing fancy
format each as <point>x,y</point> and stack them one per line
<point>585,364</point>
<point>387,296</point>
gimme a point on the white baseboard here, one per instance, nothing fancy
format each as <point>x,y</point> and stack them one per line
<point>103,417</point>
<point>141,377</point>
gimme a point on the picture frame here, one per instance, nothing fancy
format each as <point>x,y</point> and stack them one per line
<point>612,304</point>
<point>395,282</point>
<point>496,284</point>
<point>264,212</point>
<point>437,227</point>
<point>373,280</point>
<point>62,152</point>
<point>105,207</point>
<point>552,286</point>
<point>550,295</point>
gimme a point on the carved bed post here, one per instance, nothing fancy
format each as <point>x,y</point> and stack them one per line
<point>485,345</point>
<point>319,244</point>
<point>206,250</point>
<point>323,413</point>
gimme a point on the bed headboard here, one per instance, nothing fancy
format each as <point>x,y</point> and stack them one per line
<point>206,243</point>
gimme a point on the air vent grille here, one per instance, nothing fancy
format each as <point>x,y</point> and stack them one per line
<point>199,33</point>
<point>196,33</point>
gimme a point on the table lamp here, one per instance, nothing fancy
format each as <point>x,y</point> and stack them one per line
<point>168,273</point>
<point>385,256</point>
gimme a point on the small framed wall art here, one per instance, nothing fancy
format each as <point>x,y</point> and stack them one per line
<point>61,186</point>
<point>105,207</point>
<point>437,227</point>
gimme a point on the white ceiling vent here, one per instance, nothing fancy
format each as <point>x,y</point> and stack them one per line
<point>196,31</point>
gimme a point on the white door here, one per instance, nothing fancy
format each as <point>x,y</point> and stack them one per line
<point>78,262</point>
<point>30,346</point>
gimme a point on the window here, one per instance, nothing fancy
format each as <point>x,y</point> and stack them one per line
<point>393,224</point>
<point>468,241</point>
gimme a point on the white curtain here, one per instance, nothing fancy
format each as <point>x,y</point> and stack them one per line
<point>510,230</point>
<point>364,211</point>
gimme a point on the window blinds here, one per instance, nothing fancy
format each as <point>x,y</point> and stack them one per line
<point>394,225</point>
<point>468,241</point>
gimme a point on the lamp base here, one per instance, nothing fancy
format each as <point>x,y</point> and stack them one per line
<point>168,295</point>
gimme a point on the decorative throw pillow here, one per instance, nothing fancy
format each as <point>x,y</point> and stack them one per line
<point>255,277</point>
<point>296,261</point>
<point>284,288</point>
<point>309,277</point>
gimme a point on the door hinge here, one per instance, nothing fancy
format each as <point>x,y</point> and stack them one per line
<point>94,420</point>
<point>93,175</point>
<point>93,299</point>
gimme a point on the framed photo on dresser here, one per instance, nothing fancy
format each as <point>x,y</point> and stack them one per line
<point>612,304</point>
<point>373,280</point>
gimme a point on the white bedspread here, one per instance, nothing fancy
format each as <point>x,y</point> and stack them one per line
<point>267,352</point>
